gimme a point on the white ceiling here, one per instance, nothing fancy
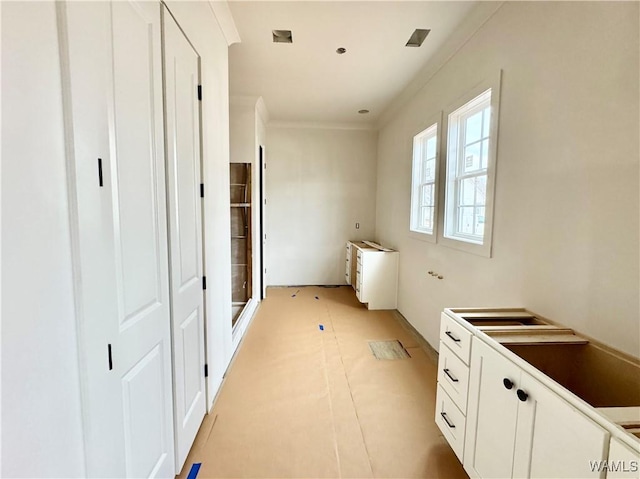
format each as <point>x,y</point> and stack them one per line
<point>308,81</point>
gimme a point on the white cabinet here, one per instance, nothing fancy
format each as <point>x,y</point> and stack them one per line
<point>492,414</point>
<point>348,263</point>
<point>453,383</point>
<point>373,273</point>
<point>517,427</point>
<point>623,463</point>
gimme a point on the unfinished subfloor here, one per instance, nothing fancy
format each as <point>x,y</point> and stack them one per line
<point>305,397</point>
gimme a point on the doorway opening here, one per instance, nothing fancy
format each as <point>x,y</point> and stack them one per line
<point>241,239</point>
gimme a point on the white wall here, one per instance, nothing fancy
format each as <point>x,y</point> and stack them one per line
<point>201,27</point>
<point>319,183</point>
<point>41,416</point>
<point>565,241</point>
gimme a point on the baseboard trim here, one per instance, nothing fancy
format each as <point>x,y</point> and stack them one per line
<point>423,343</point>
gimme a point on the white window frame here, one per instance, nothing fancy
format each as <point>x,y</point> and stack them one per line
<point>448,220</point>
<point>427,127</point>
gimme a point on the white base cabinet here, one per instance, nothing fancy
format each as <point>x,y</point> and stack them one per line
<point>517,427</point>
<point>623,463</point>
<point>504,418</point>
<point>373,273</point>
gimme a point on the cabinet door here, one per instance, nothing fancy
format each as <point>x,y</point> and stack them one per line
<point>623,463</point>
<point>491,413</point>
<point>554,440</point>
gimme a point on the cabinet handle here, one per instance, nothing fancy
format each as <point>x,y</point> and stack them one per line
<point>448,333</point>
<point>446,371</point>
<point>507,383</point>
<point>444,416</point>
<point>522,395</point>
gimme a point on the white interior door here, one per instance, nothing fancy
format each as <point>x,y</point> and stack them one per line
<point>185,234</point>
<point>114,105</point>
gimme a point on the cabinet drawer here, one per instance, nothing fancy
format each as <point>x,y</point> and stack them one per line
<point>453,376</point>
<point>451,422</point>
<point>457,338</point>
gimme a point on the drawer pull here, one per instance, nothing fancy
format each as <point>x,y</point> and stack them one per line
<point>507,383</point>
<point>522,395</point>
<point>446,371</point>
<point>448,333</point>
<point>444,416</point>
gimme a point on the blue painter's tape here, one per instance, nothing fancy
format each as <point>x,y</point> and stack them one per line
<point>194,470</point>
<point>321,327</point>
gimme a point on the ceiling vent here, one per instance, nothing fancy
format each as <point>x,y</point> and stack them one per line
<point>417,37</point>
<point>282,36</point>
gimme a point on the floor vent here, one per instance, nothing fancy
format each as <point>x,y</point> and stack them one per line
<point>392,349</point>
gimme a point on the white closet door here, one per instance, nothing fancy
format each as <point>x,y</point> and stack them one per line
<point>115,75</point>
<point>185,234</point>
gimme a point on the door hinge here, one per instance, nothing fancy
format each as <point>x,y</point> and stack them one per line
<point>200,92</point>
<point>206,370</point>
<point>204,282</point>
<point>201,190</point>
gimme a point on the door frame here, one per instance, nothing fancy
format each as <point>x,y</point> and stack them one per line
<point>166,11</point>
<point>263,234</point>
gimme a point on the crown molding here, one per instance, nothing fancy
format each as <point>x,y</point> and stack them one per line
<point>322,125</point>
<point>222,12</point>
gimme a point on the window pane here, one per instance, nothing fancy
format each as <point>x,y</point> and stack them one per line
<point>426,218</point>
<point>429,170</point>
<point>486,121</point>
<point>473,126</point>
<point>481,190</point>
<point>465,220</point>
<point>426,195</point>
<point>471,160</point>
<point>485,154</point>
<point>467,192</point>
<point>479,223</point>
<point>431,147</point>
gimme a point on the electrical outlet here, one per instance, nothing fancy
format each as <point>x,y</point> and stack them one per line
<point>357,226</point>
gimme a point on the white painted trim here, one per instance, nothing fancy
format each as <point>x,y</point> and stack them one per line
<point>74,222</point>
<point>222,13</point>
<point>322,125</point>
<point>480,15</point>
<point>243,321</point>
